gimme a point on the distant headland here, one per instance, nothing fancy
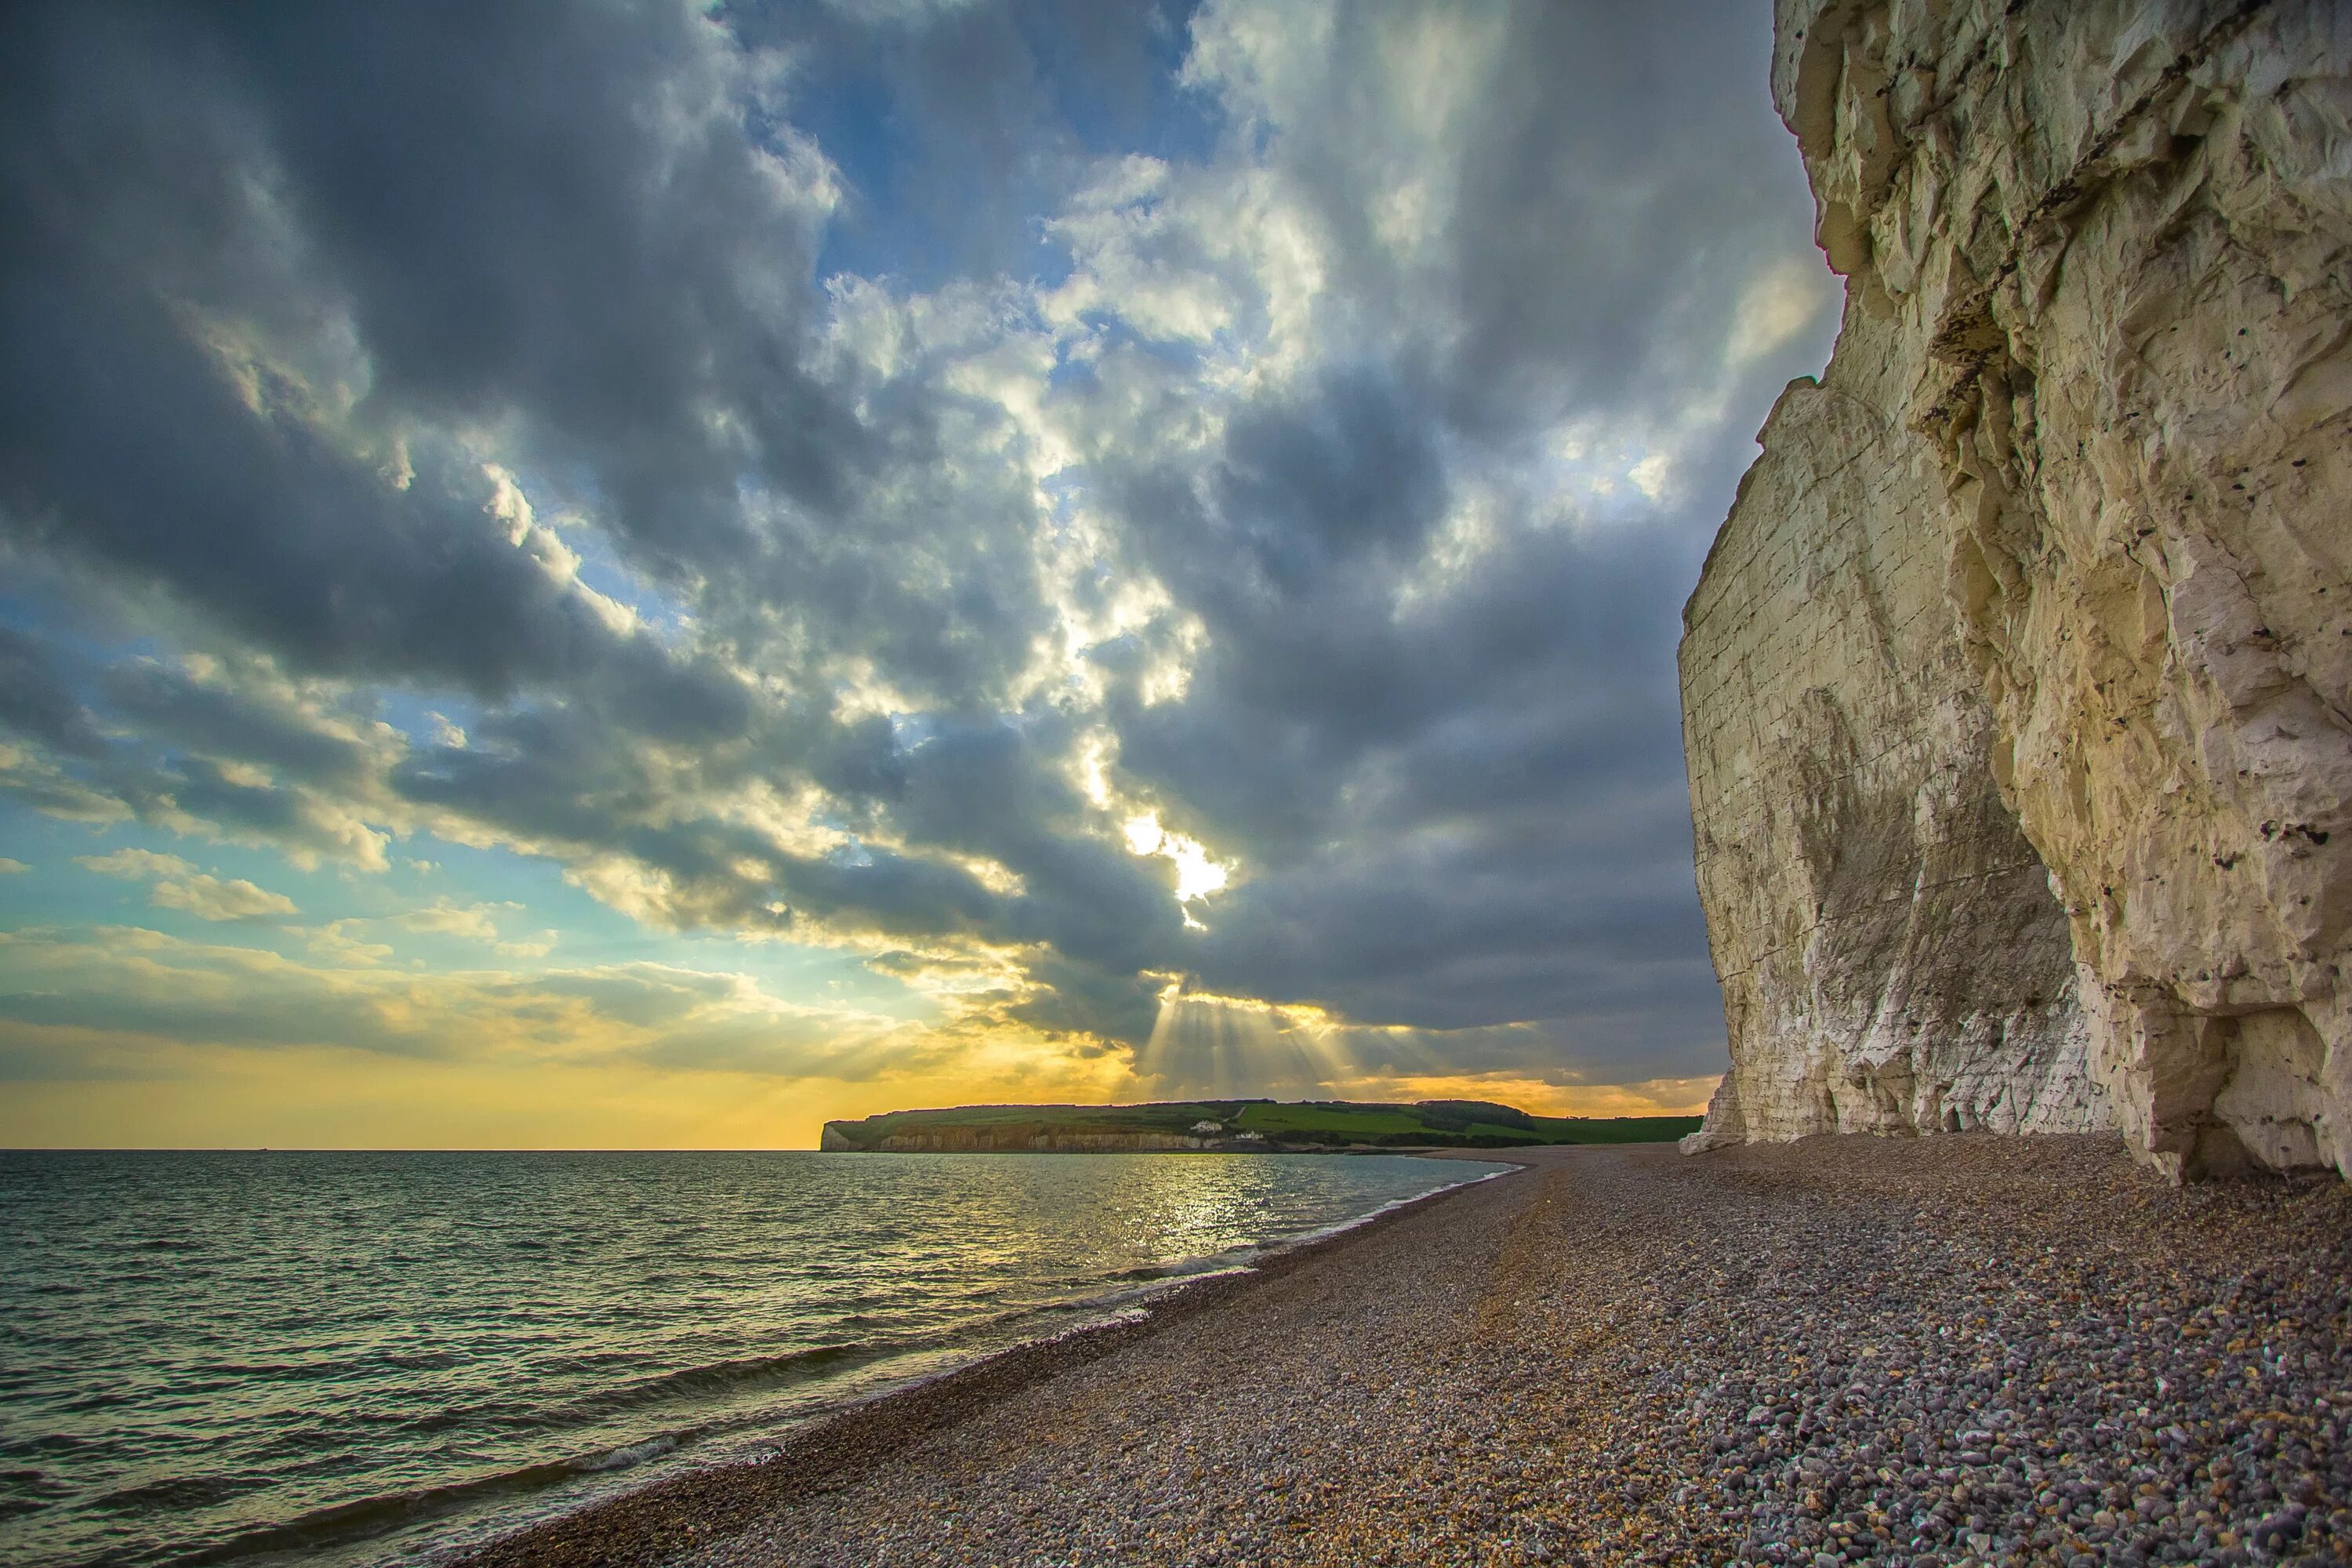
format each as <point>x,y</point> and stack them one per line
<point>1235,1126</point>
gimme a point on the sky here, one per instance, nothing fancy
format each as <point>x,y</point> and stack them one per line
<point>652,575</point>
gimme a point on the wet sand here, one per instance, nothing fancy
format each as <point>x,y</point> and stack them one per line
<point>1950,1349</point>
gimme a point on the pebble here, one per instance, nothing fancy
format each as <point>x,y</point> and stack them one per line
<point>1952,1349</point>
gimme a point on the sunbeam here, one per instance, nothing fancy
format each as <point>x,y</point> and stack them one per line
<point>1223,1047</point>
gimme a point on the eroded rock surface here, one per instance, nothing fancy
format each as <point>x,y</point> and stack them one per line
<point>1891,956</point>
<point>2060,544</point>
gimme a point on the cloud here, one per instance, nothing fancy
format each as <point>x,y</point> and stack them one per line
<point>143,991</point>
<point>210,899</point>
<point>476,923</point>
<point>180,886</point>
<point>601,435</point>
<point>134,864</point>
<point>84,1011</point>
<point>344,941</point>
<point>9,868</point>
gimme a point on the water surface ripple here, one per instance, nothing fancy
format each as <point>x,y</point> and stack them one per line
<point>342,1358</point>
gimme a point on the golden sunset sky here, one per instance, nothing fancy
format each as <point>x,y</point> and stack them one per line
<point>654,576</point>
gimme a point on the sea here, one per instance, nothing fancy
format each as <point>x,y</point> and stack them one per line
<point>350,1359</point>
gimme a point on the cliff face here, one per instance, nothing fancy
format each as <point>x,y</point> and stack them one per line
<point>2046,589</point>
<point>1890,954</point>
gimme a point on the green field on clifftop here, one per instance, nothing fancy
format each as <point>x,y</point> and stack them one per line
<point>1301,1125</point>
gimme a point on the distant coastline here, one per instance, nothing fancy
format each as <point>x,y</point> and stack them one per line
<point>1237,1126</point>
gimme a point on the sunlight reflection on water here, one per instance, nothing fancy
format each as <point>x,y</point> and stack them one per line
<point>394,1347</point>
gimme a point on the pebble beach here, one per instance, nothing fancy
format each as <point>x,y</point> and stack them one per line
<point>1952,1349</point>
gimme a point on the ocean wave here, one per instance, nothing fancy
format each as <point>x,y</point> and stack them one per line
<point>390,1409</point>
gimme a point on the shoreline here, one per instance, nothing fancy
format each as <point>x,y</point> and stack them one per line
<point>1957,1350</point>
<point>665,1517</point>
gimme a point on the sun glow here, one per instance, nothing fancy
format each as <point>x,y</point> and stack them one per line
<point>1197,875</point>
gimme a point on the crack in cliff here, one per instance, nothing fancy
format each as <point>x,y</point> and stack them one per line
<point>2070,189</point>
<point>1970,336</point>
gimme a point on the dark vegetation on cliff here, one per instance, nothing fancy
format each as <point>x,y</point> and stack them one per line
<point>1315,1124</point>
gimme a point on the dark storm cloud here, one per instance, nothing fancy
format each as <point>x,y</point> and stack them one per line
<point>1452,818</point>
<point>477,357</point>
<point>1614,172</point>
<point>129,450</point>
<point>549,209</point>
<point>1342,477</point>
<point>168,706</point>
<point>37,703</point>
<point>1449,817</point>
<point>987,788</point>
<point>503,247</point>
<point>1474,809</point>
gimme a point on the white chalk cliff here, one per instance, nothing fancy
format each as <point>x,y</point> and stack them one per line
<point>2018,688</point>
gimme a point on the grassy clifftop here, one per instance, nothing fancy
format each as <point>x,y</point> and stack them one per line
<point>1242,1124</point>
